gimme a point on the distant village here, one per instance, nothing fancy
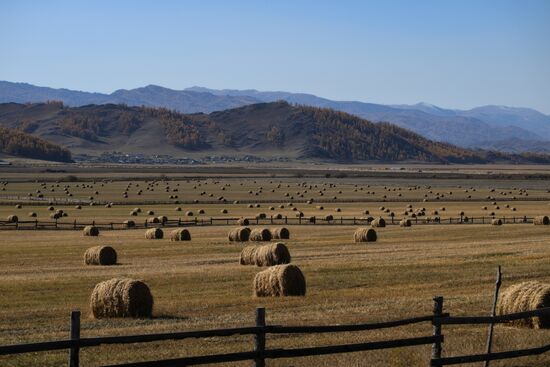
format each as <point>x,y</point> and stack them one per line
<point>139,158</point>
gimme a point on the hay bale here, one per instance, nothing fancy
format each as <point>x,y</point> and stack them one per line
<point>18,206</point>
<point>260,234</point>
<point>180,234</point>
<point>129,223</point>
<point>32,215</point>
<point>280,233</point>
<point>153,220</point>
<point>13,218</point>
<point>378,222</point>
<point>91,231</point>
<point>405,222</point>
<point>541,220</point>
<point>239,234</point>
<point>243,222</point>
<point>365,235</point>
<point>162,219</point>
<point>265,255</point>
<point>154,234</point>
<point>100,255</point>
<point>496,222</point>
<point>526,296</point>
<point>280,280</point>
<point>121,298</point>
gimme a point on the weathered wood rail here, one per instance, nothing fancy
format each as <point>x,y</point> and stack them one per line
<point>260,331</point>
<point>226,221</point>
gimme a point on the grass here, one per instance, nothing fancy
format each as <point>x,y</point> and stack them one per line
<point>200,284</point>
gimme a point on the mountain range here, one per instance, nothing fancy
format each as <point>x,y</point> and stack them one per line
<point>493,127</point>
<point>272,129</point>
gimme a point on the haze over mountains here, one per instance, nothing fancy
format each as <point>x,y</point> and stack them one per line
<point>497,127</point>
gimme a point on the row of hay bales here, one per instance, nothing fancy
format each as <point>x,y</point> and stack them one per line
<point>243,234</point>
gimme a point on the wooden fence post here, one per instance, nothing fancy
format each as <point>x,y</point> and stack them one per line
<point>74,353</point>
<point>493,312</point>
<point>259,346</point>
<point>436,322</point>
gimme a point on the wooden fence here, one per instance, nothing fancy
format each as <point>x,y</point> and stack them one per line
<point>260,331</point>
<point>226,221</point>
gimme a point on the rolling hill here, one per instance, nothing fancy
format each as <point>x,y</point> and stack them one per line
<point>276,128</point>
<point>471,129</point>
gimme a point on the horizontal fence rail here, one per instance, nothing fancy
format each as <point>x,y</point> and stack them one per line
<point>272,220</point>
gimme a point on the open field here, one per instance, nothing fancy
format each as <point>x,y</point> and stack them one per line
<point>200,284</point>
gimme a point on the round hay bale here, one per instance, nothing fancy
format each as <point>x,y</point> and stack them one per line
<point>265,255</point>
<point>223,211</point>
<point>100,255</point>
<point>378,222</point>
<point>78,207</point>
<point>178,209</point>
<point>18,206</point>
<point>133,213</point>
<point>150,212</point>
<point>260,234</point>
<point>329,218</point>
<point>526,296</point>
<point>180,234</point>
<point>541,220</point>
<point>281,233</point>
<point>162,219</point>
<point>243,222</point>
<point>261,216</point>
<point>121,298</point>
<point>405,222</point>
<point>153,220</point>
<point>154,234</point>
<point>32,215</point>
<point>496,222</point>
<point>91,231</point>
<point>129,223</point>
<point>365,235</point>
<point>241,234</point>
<point>280,280</point>
<point>13,218</point>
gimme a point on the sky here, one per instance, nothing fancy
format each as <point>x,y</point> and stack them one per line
<point>451,53</point>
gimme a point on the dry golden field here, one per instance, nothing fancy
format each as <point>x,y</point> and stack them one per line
<point>199,284</point>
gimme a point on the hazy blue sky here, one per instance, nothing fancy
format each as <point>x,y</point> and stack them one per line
<point>451,53</point>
